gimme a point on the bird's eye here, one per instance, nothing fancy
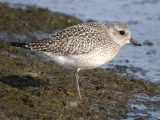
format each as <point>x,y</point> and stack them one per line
<point>122,32</point>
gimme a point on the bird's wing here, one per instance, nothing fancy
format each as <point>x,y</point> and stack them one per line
<point>77,39</point>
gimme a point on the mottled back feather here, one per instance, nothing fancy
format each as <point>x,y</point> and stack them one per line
<point>77,39</point>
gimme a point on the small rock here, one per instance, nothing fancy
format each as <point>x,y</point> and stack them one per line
<point>94,107</point>
<point>73,104</point>
<point>151,52</point>
<point>148,43</point>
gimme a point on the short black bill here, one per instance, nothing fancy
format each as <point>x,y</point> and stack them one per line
<point>135,42</point>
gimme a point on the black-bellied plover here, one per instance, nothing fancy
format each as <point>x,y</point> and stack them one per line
<point>83,46</point>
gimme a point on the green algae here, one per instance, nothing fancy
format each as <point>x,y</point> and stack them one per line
<point>32,88</point>
<point>32,19</point>
<point>24,24</point>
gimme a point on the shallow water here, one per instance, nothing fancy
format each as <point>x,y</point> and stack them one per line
<point>142,105</point>
<point>142,16</point>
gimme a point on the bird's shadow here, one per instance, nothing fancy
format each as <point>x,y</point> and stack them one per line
<point>22,81</point>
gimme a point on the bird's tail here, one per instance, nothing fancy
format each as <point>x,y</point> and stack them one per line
<point>18,44</point>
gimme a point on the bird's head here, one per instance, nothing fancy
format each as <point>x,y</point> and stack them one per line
<point>120,33</point>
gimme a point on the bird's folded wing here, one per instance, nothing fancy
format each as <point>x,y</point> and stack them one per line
<point>78,39</point>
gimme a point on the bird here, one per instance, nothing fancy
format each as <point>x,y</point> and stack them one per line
<point>82,46</point>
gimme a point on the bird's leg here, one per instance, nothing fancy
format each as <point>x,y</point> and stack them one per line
<point>77,83</point>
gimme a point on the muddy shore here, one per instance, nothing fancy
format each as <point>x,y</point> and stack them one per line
<point>32,88</point>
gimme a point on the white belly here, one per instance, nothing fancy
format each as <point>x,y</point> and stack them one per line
<point>83,61</point>
<point>78,62</point>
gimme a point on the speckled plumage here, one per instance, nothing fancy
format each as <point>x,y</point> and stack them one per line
<point>83,46</point>
<point>78,39</point>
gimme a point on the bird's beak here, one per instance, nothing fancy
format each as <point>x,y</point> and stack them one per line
<point>135,42</point>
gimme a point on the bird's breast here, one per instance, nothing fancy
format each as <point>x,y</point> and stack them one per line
<point>93,59</point>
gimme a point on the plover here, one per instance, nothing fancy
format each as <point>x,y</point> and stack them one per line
<point>83,46</point>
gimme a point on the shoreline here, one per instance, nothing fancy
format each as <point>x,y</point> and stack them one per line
<point>31,88</point>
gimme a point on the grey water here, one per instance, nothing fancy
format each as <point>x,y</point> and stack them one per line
<point>142,17</point>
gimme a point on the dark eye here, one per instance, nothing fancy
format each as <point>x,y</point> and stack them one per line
<point>122,32</point>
